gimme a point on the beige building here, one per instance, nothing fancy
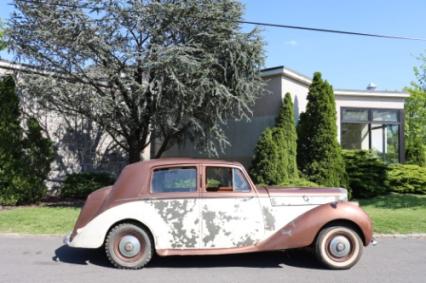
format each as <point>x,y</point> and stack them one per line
<point>366,119</point>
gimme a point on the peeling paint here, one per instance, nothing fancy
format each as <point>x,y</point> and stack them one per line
<point>244,242</point>
<point>212,228</point>
<point>174,212</point>
<point>268,218</point>
<point>288,229</point>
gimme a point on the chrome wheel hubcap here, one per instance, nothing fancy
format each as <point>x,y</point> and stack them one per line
<point>129,246</point>
<point>340,246</point>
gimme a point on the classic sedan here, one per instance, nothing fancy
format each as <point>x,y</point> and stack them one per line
<point>205,207</point>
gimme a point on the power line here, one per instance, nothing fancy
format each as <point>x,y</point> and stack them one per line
<point>313,29</point>
<point>331,31</point>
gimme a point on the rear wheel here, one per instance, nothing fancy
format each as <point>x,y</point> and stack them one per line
<point>338,247</point>
<point>128,246</point>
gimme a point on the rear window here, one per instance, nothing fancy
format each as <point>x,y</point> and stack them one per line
<point>176,179</point>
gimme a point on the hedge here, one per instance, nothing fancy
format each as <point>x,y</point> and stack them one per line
<point>80,185</point>
<point>407,178</point>
<point>367,174</point>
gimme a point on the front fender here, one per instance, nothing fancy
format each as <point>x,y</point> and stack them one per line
<point>302,231</point>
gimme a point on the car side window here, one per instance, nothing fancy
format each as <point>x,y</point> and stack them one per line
<point>174,179</point>
<point>240,182</point>
<point>225,179</point>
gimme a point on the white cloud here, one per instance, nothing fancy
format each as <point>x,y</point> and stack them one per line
<point>291,43</point>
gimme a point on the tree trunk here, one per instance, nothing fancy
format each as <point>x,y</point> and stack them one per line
<point>134,151</point>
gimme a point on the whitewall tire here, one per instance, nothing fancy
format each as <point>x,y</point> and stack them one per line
<point>338,247</point>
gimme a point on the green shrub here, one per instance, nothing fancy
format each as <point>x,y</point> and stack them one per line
<point>274,159</point>
<point>366,172</point>
<point>415,153</point>
<point>264,165</point>
<point>80,185</point>
<point>407,178</point>
<point>318,151</point>
<point>299,182</point>
<point>25,155</point>
<point>287,142</point>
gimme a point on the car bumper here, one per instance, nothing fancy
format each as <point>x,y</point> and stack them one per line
<point>67,240</point>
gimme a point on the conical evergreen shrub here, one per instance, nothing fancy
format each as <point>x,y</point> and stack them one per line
<point>264,165</point>
<point>318,153</point>
<point>274,160</point>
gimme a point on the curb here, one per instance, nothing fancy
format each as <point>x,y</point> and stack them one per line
<point>401,236</point>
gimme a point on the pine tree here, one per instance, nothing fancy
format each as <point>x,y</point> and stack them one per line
<point>318,152</point>
<point>264,169</point>
<point>288,144</point>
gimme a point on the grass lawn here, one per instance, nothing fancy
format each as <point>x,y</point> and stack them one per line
<point>38,220</point>
<point>397,213</point>
<point>393,213</point>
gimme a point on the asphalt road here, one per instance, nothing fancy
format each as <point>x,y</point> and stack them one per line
<point>45,259</point>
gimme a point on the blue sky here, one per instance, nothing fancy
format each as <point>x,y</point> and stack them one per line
<point>346,61</point>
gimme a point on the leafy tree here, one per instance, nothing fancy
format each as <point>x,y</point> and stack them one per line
<point>266,157</point>
<point>415,118</point>
<point>144,71</point>
<point>2,43</point>
<point>318,152</point>
<point>288,144</point>
<point>25,156</point>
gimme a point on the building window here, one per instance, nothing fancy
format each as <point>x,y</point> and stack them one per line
<point>378,130</point>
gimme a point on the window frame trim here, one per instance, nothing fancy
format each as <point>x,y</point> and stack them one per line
<point>400,123</point>
<point>176,194</point>
<point>205,193</point>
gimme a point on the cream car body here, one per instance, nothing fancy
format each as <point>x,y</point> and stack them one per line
<point>214,208</point>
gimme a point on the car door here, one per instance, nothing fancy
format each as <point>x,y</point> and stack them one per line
<point>230,209</point>
<point>174,197</point>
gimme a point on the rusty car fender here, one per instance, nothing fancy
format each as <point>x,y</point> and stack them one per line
<point>302,231</point>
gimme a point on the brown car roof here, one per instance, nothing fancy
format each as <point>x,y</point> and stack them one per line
<point>180,160</point>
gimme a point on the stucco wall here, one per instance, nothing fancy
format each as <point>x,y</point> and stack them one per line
<point>298,92</point>
<point>243,135</point>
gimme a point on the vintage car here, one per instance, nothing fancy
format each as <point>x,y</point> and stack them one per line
<point>210,207</point>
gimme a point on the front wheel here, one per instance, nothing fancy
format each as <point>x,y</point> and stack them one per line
<point>338,247</point>
<point>128,246</point>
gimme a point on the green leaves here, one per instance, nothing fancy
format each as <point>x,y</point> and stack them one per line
<point>367,173</point>
<point>415,125</point>
<point>25,156</point>
<point>318,152</point>
<point>407,178</point>
<point>274,160</point>
<point>2,42</point>
<point>144,71</point>
<point>266,158</point>
<point>80,185</point>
